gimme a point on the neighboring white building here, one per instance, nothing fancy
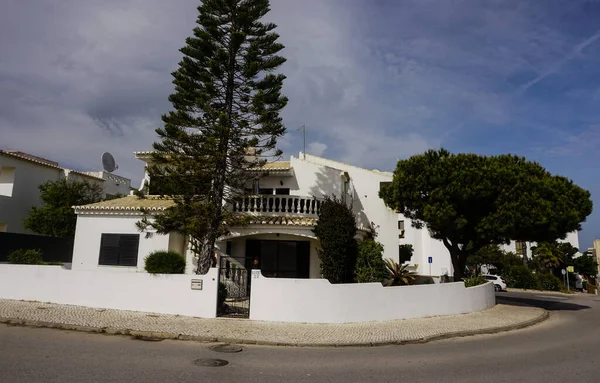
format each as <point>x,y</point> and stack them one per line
<point>20,176</point>
<point>279,238</point>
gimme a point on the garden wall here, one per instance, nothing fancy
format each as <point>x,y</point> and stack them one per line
<point>318,301</point>
<point>164,294</point>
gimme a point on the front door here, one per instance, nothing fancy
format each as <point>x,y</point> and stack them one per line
<point>279,259</point>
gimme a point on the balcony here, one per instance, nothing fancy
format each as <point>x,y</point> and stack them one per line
<point>286,205</point>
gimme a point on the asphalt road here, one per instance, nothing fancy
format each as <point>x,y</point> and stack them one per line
<point>565,348</point>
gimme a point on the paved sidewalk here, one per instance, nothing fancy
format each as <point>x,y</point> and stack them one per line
<point>498,318</point>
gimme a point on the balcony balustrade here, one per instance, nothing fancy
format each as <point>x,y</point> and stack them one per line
<point>278,205</point>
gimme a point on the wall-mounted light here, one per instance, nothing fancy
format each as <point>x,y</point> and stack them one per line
<point>281,182</point>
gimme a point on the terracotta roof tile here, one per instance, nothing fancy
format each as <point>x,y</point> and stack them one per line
<point>131,203</point>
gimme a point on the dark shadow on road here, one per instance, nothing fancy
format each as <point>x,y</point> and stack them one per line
<point>550,305</point>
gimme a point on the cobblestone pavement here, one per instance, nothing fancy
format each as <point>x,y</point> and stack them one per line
<point>498,318</point>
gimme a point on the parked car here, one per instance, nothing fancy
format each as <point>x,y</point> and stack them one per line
<point>499,283</point>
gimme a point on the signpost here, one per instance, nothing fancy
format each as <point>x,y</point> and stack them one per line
<point>430,261</point>
<point>564,273</point>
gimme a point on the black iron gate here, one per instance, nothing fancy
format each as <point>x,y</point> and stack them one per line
<point>234,289</point>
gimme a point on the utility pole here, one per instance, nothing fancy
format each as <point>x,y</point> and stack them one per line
<point>303,128</point>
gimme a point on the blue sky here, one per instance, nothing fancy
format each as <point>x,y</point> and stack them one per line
<point>373,80</point>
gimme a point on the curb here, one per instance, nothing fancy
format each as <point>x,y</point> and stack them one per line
<point>155,336</point>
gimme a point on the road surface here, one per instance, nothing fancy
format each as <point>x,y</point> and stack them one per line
<point>565,348</point>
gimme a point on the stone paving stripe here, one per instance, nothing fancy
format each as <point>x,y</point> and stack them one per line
<point>140,324</point>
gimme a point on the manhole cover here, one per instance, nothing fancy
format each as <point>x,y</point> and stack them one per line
<point>228,348</point>
<point>211,362</point>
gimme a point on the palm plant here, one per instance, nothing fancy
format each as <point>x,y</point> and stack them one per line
<point>548,256</point>
<point>397,275</point>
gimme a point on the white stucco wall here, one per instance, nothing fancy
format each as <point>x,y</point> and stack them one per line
<point>88,234</point>
<point>318,301</point>
<point>165,294</point>
<point>25,193</point>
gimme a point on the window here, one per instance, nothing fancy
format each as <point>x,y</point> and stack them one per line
<point>282,191</point>
<point>7,180</point>
<point>519,247</point>
<point>3,227</point>
<point>119,249</point>
<point>401,229</point>
<point>265,191</point>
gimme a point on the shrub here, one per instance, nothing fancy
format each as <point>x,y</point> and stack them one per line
<point>370,266</point>
<point>520,277</point>
<point>548,282</point>
<point>475,280</point>
<point>165,262</point>
<point>398,275</point>
<point>336,229</point>
<point>26,257</point>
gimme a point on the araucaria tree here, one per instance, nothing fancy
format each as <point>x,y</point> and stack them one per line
<point>336,229</point>
<point>470,201</point>
<point>225,119</point>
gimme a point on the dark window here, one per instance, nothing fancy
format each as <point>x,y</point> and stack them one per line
<point>228,248</point>
<point>282,191</point>
<point>265,191</point>
<point>119,249</point>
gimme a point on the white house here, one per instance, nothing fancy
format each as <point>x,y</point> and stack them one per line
<point>22,173</point>
<point>279,239</point>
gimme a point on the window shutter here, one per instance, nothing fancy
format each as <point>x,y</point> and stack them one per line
<point>129,250</point>
<point>109,250</point>
<point>119,249</point>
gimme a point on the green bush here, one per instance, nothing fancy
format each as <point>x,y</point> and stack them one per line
<point>26,257</point>
<point>475,280</point>
<point>336,229</point>
<point>548,282</point>
<point>370,266</point>
<point>165,262</point>
<point>520,277</point>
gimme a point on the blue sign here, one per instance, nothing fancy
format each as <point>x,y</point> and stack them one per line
<point>430,260</point>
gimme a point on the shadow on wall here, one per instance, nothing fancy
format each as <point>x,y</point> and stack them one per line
<point>330,181</point>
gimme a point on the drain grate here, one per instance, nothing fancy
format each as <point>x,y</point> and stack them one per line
<point>211,362</point>
<point>226,348</point>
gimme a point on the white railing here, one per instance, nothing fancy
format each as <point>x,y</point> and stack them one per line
<point>278,204</point>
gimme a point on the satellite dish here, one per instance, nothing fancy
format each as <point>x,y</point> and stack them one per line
<point>108,162</point>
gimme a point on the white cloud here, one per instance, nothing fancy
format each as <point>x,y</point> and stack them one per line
<point>316,148</point>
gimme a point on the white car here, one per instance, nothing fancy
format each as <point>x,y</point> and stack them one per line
<point>499,283</point>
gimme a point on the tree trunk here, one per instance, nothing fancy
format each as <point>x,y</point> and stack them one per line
<point>459,262</point>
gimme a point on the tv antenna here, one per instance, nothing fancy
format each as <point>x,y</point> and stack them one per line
<point>108,162</point>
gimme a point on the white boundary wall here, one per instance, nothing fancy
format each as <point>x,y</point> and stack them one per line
<point>164,294</point>
<point>318,301</point>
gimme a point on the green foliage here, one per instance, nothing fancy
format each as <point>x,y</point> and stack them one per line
<point>548,282</point>
<point>56,217</point>
<point>520,277</point>
<point>221,296</point>
<point>586,265</point>
<point>336,229</point>
<point>406,252</point>
<point>470,201</point>
<point>26,257</point>
<point>370,266</point>
<point>225,120</point>
<point>164,262</point>
<point>398,275</point>
<point>474,280</point>
<point>548,257</point>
